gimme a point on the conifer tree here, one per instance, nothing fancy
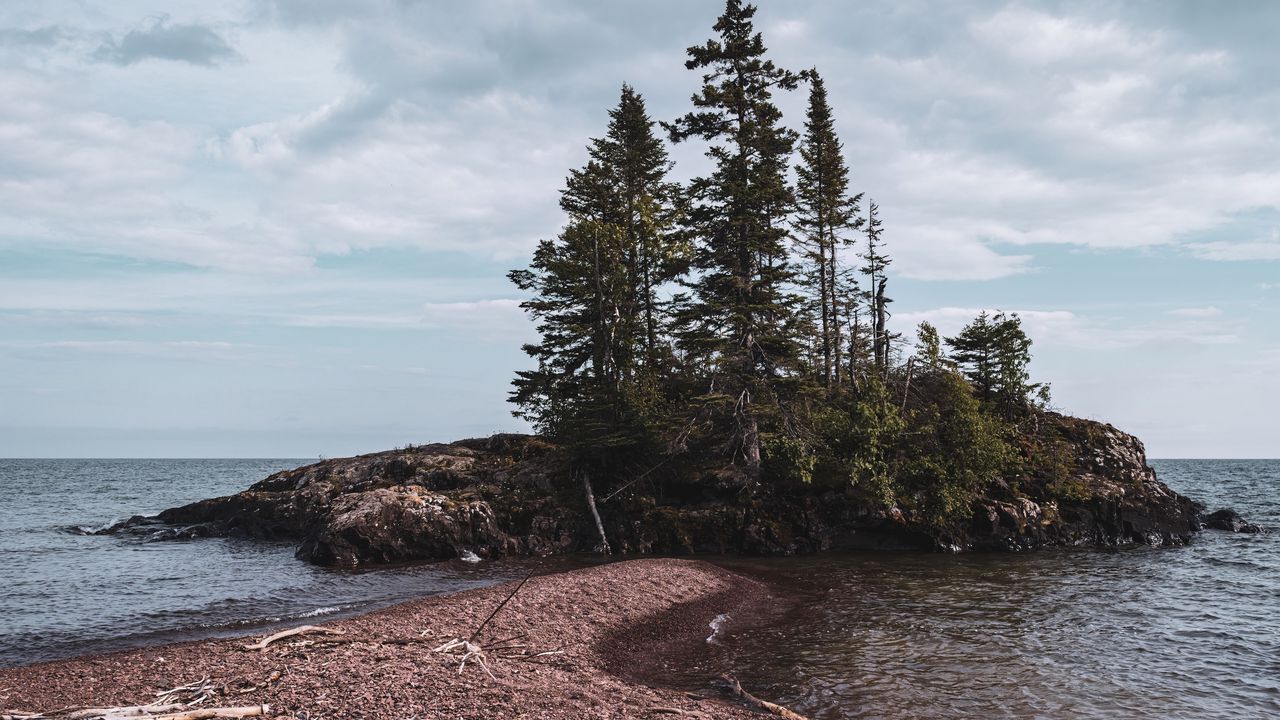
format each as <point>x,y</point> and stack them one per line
<point>594,288</point>
<point>875,262</point>
<point>738,327</point>
<point>824,211</point>
<point>993,353</point>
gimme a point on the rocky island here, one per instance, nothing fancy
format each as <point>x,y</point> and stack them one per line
<point>497,496</point>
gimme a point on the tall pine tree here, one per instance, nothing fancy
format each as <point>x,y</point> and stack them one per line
<point>825,210</point>
<point>875,261</point>
<point>738,327</point>
<point>594,290</point>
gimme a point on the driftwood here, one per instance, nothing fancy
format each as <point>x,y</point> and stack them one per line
<point>129,712</point>
<point>304,630</point>
<point>226,712</point>
<point>149,712</point>
<point>765,705</point>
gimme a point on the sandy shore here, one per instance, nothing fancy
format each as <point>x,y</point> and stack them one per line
<point>602,618</point>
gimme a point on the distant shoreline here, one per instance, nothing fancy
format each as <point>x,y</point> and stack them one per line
<point>603,619</point>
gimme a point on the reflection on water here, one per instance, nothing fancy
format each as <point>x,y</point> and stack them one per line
<point>1142,633</point>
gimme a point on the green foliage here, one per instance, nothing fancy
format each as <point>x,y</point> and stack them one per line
<point>787,461</point>
<point>594,295</point>
<point>993,353</point>
<point>770,363</point>
<point>958,451</point>
<point>825,211</point>
<point>738,329</point>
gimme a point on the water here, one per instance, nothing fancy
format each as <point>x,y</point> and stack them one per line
<point>1144,633</point>
<point>63,593</point>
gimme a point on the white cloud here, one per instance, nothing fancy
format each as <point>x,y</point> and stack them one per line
<point>1239,251</point>
<point>1196,312</point>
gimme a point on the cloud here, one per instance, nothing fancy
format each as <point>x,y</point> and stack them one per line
<point>1197,312</point>
<point>190,43</point>
<point>1071,330</point>
<point>1239,251</point>
<point>42,37</point>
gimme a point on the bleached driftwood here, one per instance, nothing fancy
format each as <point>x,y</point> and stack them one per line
<point>303,630</point>
<point>149,712</point>
<point>126,712</point>
<point>225,712</point>
<point>765,705</point>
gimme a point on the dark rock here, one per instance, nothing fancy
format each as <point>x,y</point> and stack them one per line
<point>506,495</point>
<point>1229,520</point>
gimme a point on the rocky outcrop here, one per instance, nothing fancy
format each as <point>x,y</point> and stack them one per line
<point>1096,489</point>
<point>1228,520</point>
<point>1087,483</point>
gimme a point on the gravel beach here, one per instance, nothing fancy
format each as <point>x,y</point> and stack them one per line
<point>604,619</point>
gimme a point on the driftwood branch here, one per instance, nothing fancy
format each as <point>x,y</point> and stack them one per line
<point>304,630</point>
<point>765,705</point>
<point>149,712</point>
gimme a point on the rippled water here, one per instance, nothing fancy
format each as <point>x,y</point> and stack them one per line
<point>1144,633</point>
<point>63,593</point>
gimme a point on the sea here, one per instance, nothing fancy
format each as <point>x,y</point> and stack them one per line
<point>1168,633</point>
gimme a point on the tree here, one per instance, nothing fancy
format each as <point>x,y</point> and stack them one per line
<point>738,325</point>
<point>929,346</point>
<point>993,353</point>
<point>875,262</point>
<point>824,211</point>
<point>594,289</point>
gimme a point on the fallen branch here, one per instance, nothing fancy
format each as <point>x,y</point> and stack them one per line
<point>126,712</point>
<point>225,712</point>
<point>498,609</point>
<point>765,705</point>
<point>304,630</point>
<point>154,711</point>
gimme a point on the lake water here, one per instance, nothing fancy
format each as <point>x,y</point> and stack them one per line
<point>1143,633</point>
<point>64,593</point>
<point>1163,633</point>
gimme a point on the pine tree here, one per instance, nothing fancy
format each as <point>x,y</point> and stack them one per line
<point>594,289</point>
<point>993,353</point>
<point>739,325</point>
<point>824,211</point>
<point>875,262</point>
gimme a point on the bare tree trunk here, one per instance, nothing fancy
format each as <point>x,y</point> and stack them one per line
<point>591,503</point>
<point>911,362</point>
<point>881,339</point>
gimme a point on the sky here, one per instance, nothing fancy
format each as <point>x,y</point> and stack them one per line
<point>281,228</point>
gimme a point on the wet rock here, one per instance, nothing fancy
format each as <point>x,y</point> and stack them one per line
<point>1229,520</point>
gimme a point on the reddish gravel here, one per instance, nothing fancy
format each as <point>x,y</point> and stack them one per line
<point>600,616</point>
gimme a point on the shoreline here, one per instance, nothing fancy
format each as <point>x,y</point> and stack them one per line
<point>604,619</point>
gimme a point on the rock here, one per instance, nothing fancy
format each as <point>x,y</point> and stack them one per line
<point>505,495</point>
<point>1229,520</point>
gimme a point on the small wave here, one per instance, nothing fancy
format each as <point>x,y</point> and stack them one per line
<point>320,611</point>
<point>91,529</point>
<point>717,624</point>
<point>468,556</point>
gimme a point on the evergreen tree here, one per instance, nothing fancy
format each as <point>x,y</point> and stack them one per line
<point>594,290</point>
<point>738,328</point>
<point>824,211</point>
<point>929,346</point>
<point>993,353</point>
<point>875,262</point>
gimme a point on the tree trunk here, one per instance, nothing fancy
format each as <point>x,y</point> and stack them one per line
<point>591,503</point>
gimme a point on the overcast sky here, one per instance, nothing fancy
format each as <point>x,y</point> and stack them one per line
<point>263,228</point>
